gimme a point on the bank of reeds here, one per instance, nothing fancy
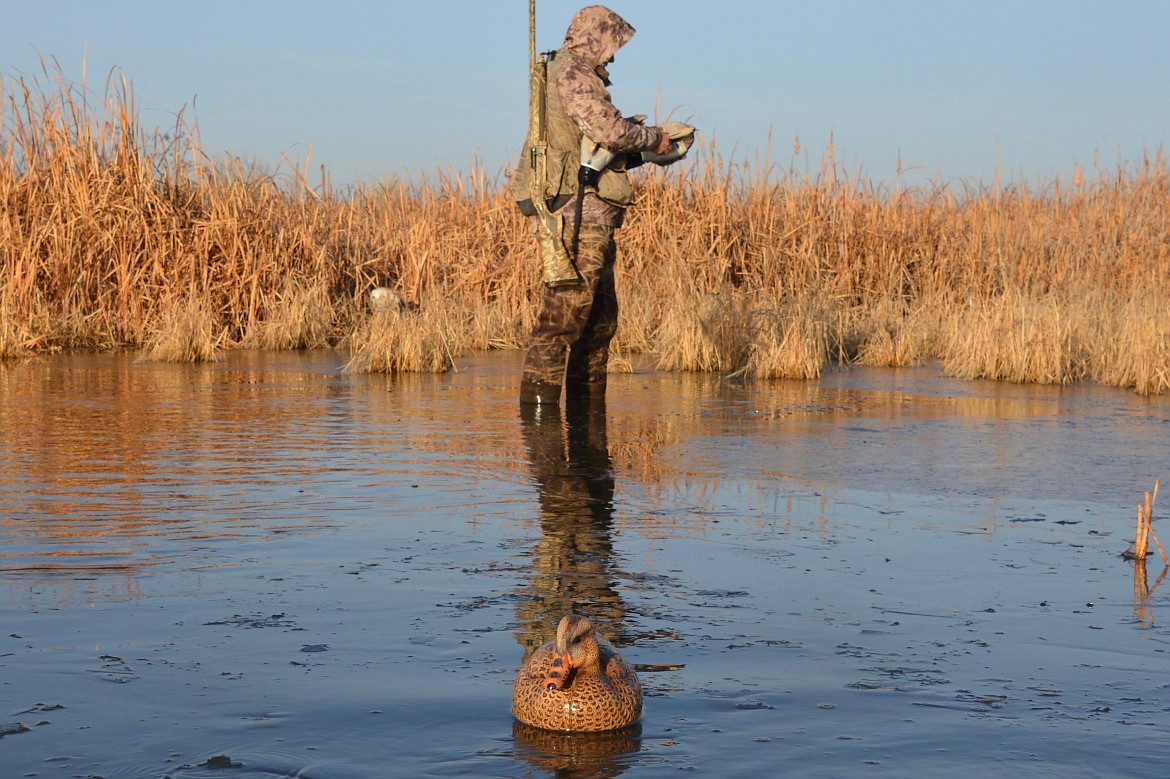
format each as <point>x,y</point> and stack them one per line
<point>115,236</point>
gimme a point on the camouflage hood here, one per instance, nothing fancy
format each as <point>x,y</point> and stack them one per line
<point>595,35</point>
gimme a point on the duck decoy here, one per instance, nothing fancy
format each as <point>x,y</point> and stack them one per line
<point>577,682</point>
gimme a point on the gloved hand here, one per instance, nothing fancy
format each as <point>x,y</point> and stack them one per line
<point>676,141</point>
<point>665,142</point>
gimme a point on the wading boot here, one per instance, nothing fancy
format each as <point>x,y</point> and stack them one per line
<point>540,393</point>
<point>585,397</point>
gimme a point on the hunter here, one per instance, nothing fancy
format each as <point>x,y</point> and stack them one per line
<point>579,316</point>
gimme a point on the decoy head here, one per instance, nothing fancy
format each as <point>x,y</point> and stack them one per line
<point>575,648</point>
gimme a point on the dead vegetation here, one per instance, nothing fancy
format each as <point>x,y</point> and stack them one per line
<point>113,236</point>
<point>1145,530</point>
<point>1143,592</point>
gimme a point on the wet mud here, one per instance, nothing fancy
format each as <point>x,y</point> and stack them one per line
<point>264,567</point>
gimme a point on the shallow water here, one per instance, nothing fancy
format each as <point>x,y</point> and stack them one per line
<point>303,573</point>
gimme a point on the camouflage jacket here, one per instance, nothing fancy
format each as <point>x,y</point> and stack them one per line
<point>578,81</point>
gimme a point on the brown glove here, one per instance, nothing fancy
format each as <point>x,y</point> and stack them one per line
<point>664,142</point>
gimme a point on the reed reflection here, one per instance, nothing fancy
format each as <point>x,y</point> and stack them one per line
<point>1143,593</point>
<point>110,468</point>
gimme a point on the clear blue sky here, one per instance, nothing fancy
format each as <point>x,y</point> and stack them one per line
<point>387,87</point>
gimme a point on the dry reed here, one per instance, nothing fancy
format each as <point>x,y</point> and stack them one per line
<point>296,317</point>
<point>792,341</point>
<point>1145,530</point>
<point>891,334</point>
<point>1142,591</point>
<point>391,341</point>
<point>11,346</point>
<point>110,232</point>
<point>1019,338</point>
<point>186,333</point>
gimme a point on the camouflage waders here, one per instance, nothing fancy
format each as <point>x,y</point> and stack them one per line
<point>570,342</point>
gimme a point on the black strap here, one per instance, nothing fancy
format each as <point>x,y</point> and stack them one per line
<point>586,177</point>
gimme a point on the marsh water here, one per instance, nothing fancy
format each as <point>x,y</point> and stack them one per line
<point>266,567</point>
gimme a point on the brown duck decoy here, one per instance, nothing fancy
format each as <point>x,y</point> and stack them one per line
<point>577,682</point>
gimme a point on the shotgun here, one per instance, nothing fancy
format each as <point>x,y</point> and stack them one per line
<point>557,264</point>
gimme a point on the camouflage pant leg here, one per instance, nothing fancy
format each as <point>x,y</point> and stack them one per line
<point>589,354</point>
<point>576,324</point>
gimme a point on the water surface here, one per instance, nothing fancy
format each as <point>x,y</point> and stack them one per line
<point>266,564</point>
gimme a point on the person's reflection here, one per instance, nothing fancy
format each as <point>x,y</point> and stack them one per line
<point>572,571</point>
<point>573,559</point>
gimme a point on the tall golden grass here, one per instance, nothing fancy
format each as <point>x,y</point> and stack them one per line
<point>111,231</point>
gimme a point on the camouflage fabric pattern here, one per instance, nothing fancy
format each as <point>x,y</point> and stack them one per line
<point>570,342</point>
<point>576,324</point>
<point>594,36</point>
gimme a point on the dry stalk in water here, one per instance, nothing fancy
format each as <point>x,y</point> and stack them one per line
<point>1142,592</point>
<point>1145,530</point>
